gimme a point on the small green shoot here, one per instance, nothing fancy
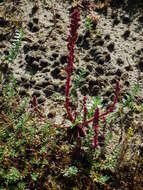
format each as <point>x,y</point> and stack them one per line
<point>96,102</point>
<point>71,171</point>
<point>88,23</point>
<point>77,82</point>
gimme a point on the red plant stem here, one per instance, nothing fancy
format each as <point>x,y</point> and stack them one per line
<point>112,107</point>
<point>95,127</point>
<point>75,18</point>
<point>81,130</point>
<point>35,103</point>
<point>97,116</point>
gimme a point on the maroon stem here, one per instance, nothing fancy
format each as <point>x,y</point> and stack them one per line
<point>75,18</point>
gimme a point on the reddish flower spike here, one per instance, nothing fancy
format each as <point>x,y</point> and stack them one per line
<point>75,18</point>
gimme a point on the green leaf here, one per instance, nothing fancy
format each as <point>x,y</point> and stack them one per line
<point>45,129</point>
<point>13,52</point>
<point>71,171</point>
<point>103,179</point>
<point>136,89</point>
<point>34,176</point>
<point>21,186</point>
<point>13,175</point>
<point>96,102</point>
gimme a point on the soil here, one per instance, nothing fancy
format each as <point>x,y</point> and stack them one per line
<point>112,51</point>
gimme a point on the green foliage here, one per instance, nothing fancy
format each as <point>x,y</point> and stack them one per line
<point>130,100</point>
<point>34,176</point>
<point>88,23</point>
<point>96,102</point>
<point>112,159</point>
<point>13,52</point>
<point>77,81</point>
<point>10,87</point>
<point>26,144</point>
<point>13,175</point>
<point>98,178</point>
<point>136,89</point>
<point>71,171</point>
<point>21,186</point>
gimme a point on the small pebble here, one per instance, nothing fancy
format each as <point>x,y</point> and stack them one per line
<point>35,20</point>
<point>22,92</point>
<point>99,70</point>
<point>126,19</point>
<point>55,73</point>
<point>37,93</point>
<point>111,46</point>
<point>140,65</point>
<point>116,21</point>
<point>107,37</point>
<point>52,114</point>
<point>63,59</point>
<point>41,99</point>
<point>44,63</point>
<point>84,89</point>
<point>49,90</point>
<point>94,90</point>
<point>120,61</point>
<point>89,67</point>
<point>118,72</point>
<point>141,19</point>
<point>34,9</point>
<point>3,22</point>
<point>126,34</point>
<point>26,48</point>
